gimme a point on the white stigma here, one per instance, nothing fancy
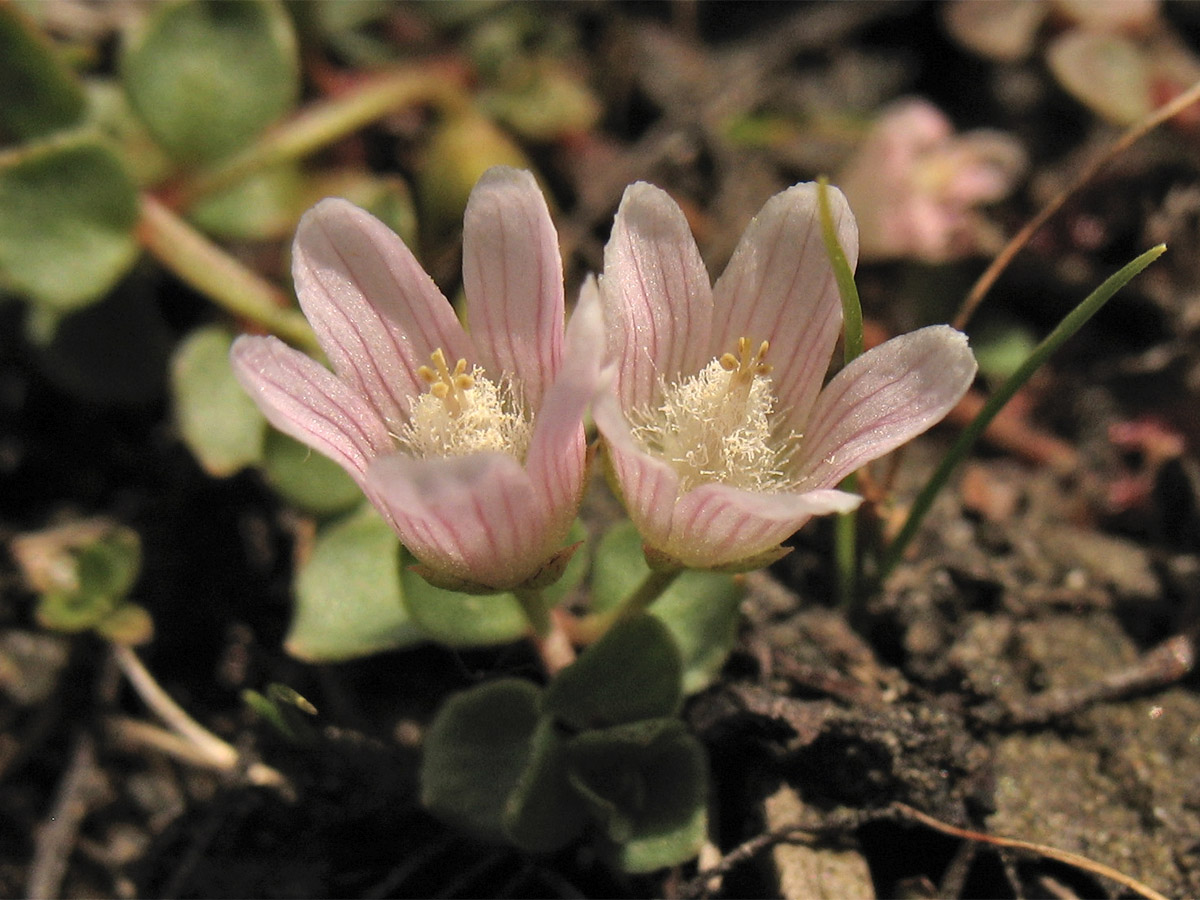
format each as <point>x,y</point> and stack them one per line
<point>464,413</point>
<point>719,426</point>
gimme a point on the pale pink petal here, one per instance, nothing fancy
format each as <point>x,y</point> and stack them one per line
<point>303,399</point>
<point>650,486</point>
<point>717,525</point>
<point>657,294</point>
<point>557,456</point>
<point>477,517</point>
<point>376,313</point>
<point>512,276</point>
<point>884,398</point>
<point>779,286</point>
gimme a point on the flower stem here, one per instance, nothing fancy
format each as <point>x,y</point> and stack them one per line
<point>547,630</point>
<point>329,121</point>
<point>217,275</point>
<point>1071,323</point>
<point>846,527</point>
<point>592,627</point>
<point>652,587</point>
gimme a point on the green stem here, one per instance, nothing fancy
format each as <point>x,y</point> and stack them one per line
<point>846,528</point>
<point>652,587</point>
<point>329,121</point>
<point>590,628</point>
<point>217,275</point>
<point>534,605</point>
<point>1073,321</point>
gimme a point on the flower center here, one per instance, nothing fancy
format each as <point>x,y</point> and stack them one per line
<point>719,425</point>
<point>465,412</point>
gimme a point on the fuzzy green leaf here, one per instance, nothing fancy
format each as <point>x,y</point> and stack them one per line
<point>476,752</point>
<point>544,813</point>
<point>39,94</point>
<point>207,76</point>
<point>646,784</point>
<point>67,213</point>
<point>216,417</point>
<point>633,672</point>
<point>349,602</point>
<point>304,477</point>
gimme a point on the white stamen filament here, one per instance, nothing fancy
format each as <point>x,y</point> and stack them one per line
<point>465,412</point>
<point>719,425</point>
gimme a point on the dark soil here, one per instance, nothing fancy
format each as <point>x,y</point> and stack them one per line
<point>1027,672</point>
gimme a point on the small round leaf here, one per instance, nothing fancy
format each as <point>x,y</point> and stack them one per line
<point>207,76</point>
<point>348,595</point>
<point>475,753</point>
<point>67,213</point>
<point>217,419</point>
<point>631,673</point>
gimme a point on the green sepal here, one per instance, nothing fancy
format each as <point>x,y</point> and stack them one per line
<point>460,614</point>
<point>544,813</point>
<point>128,624</point>
<point>456,619</point>
<point>646,785</point>
<point>664,562</point>
<point>633,672</point>
<point>475,754</point>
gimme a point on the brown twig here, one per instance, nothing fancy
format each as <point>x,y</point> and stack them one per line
<point>1022,237</point>
<point>1164,665</point>
<point>56,838</point>
<point>849,820</point>
<point>1063,856</point>
<point>204,746</point>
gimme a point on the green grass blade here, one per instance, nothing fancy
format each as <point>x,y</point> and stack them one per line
<point>1070,324</point>
<point>846,526</point>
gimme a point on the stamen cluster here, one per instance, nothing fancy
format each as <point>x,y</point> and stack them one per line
<point>719,425</point>
<point>464,413</point>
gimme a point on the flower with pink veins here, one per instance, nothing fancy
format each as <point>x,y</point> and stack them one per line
<point>719,435</point>
<point>471,445</point>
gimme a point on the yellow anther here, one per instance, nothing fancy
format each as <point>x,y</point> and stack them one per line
<point>745,365</point>
<point>449,387</point>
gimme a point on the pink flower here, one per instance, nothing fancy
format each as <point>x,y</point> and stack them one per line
<point>915,184</point>
<point>470,445</point>
<point>719,434</point>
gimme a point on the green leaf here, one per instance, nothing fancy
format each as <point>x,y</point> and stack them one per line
<point>72,611</point>
<point>207,76</point>
<point>476,752</point>
<point>701,609</point>
<point>265,205</point>
<point>128,624</point>
<point>217,419</point>
<point>646,783</point>
<point>544,813</point>
<point>67,213</point>
<point>110,566</point>
<point>39,94</point>
<point>462,620</point>
<point>631,673</point>
<point>304,477</point>
<point>348,595</point>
